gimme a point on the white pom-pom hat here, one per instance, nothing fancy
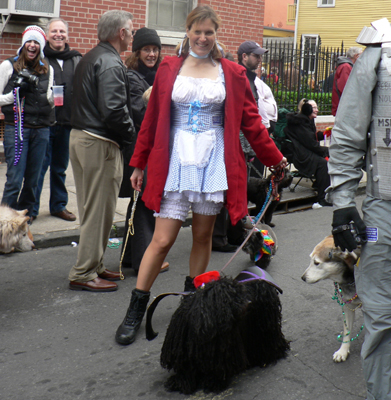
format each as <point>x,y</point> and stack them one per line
<point>34,32</point>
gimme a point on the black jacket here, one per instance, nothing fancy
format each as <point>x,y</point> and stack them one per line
<point>38,112</point>
<point>307,151</point>
<point>138,85</point>
<point>100,101</point>
<point>63,76</point>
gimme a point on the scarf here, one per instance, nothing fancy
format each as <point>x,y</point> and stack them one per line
<point>65,54</point>
<point>149,73</point>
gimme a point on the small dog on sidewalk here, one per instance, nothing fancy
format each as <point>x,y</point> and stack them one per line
<point>14,230</point>
<point>257,189</point>
<point>330,262</point>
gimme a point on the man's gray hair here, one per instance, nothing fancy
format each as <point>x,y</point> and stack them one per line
<point>111,22</point>
<point>55,20</point>
<point>352,51</point>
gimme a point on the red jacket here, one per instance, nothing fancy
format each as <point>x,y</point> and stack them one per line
<point>241,113</point>
<point>340,78</point>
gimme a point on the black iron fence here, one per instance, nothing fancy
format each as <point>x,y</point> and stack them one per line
<point>304,72</point>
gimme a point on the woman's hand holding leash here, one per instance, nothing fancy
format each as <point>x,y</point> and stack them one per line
<point>137,179</point>
<point>280,166</point>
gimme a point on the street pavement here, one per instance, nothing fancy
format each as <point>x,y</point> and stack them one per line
<point>58,344</point>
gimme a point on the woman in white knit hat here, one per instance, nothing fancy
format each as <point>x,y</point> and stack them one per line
<point>26,101</point>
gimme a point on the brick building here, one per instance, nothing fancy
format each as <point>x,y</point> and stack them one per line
<point>241,20</point>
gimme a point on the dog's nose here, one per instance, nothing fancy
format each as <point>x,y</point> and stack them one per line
<point>303,278</point>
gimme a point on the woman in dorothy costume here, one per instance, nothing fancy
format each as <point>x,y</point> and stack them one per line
<point>190,140</point>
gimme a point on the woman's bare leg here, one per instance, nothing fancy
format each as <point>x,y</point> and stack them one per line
<point>165,234</point>
<point>202,229</point>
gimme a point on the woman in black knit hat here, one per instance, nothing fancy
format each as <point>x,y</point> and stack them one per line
<point>142,65</point>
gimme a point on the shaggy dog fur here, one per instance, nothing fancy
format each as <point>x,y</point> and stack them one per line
<point>255,243</point>
<point>330,262</point>
<point>257,189</point>
<point>221,330</point>
<point>14,230</point>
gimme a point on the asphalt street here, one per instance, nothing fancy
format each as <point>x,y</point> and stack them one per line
<point>58,344</point>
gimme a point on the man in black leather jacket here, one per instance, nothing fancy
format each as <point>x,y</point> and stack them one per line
<point>102,126</point>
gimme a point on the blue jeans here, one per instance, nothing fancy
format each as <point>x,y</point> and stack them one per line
<point>57,157</point>
<point>26,172</point>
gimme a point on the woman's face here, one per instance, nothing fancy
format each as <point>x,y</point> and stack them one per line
<point>149,55</point>
<point>314,109</point>
<point>32,49</point>
<point>202,37</point>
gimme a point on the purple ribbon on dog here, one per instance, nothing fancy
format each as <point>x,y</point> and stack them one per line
<point>256,273</point>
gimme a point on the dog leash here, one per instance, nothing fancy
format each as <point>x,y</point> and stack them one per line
<point>272,193</point>
<point>130,231</point>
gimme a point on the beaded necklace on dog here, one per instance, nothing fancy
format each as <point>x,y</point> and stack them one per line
<point>340,300</point>
<point>18,119</point>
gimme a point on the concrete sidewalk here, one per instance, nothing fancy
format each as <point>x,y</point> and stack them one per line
<point>51,231</point>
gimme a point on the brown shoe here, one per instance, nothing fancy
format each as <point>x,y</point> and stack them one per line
<point>66,215</point>
<point>110,275</point>
<point>96,285</point>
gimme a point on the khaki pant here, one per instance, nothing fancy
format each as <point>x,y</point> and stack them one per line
<point>97,169</point>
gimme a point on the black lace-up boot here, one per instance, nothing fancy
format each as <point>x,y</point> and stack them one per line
<point>189,285</point>
<point>126,332</point>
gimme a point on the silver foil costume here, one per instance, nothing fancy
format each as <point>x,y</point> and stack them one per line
<point>362,134</point>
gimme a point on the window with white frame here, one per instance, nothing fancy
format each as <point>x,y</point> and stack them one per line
<point>35,8</point>
<point>309,53</point>
<point>168,15</point>
<point>326,3</point>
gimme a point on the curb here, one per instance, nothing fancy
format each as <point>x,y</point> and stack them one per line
<point>65,238</point>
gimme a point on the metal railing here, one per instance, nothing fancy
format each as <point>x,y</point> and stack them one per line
<point>306,72</point>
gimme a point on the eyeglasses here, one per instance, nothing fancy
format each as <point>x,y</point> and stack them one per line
<point>257,56</point>
<point>133,32</point>
<point>148,50</point>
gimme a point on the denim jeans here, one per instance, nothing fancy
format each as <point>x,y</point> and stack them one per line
<point>26,172</point>
<point>57,157</point>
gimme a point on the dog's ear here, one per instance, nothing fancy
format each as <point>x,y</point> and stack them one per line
<point>22,213</point>
<point>22,221</point>
<point>259,235</point>
<point>349,258</point>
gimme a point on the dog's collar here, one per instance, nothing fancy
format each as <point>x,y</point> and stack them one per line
<point>255,272</point>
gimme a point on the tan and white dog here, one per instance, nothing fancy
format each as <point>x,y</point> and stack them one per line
<point>330,262</point>
<point>14,230</point>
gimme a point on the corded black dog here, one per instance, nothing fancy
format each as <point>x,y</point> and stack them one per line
<point>257,189</point>
<point>223,328</point>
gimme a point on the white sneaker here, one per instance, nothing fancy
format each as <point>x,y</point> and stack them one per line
<point>315,206</point>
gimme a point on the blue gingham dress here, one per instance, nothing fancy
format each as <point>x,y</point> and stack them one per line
<point>197,168</point>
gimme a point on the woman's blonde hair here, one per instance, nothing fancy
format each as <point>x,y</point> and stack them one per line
<point>200,14</point>
<point>23,62</point>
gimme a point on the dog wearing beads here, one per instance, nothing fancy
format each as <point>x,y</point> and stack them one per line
<point>330,262</point>
<point>257,189</point>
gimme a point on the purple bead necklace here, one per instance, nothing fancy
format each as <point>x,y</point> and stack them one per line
<point>19,115</point>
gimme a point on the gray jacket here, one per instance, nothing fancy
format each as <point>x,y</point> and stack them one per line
<point>349,141</point>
